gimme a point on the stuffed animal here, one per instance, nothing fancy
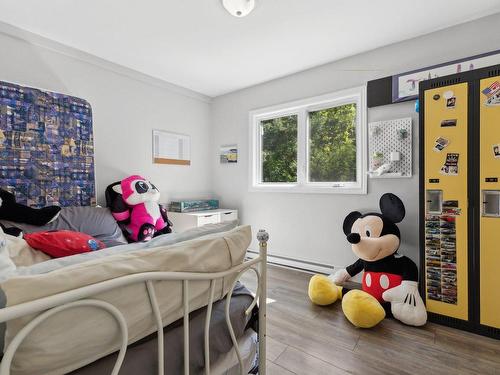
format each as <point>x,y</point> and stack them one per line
<point>389,283</point>
<point>20,213</point>
<point>13,231</point>
<point>136,206</point>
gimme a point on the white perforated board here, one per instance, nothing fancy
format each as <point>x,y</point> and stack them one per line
<point>386,140</point>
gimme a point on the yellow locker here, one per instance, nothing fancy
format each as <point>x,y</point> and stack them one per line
<point>446,182</point>
<point>460,199</point>
<point>489,252</point>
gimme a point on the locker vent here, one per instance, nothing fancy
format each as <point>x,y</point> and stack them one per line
<point>494,73</point>
<point>447,82</point>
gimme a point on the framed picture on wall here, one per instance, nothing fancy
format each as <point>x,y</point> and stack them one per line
<point>405,85</point>
<point>171,148</point>
<point>228,154</point>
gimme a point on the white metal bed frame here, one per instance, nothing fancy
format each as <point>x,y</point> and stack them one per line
<point>51,305</point>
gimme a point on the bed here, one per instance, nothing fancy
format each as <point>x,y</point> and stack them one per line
<point>169,306</point>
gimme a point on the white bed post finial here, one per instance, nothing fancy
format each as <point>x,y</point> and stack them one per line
<point>262,237</point>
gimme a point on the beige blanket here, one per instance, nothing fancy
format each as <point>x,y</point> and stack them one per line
<point>79,336</point>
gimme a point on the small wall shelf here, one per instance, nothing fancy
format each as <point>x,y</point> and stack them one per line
<point>391,136</point>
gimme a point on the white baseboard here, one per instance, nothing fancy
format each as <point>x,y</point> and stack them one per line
<point>295,263</point>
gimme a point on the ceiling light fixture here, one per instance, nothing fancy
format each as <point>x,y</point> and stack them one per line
<point>239,8</point>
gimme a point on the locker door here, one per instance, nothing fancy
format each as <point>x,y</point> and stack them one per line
<point>446,237</point>
<point>489,256</point>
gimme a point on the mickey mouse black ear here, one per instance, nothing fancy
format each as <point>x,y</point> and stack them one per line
<point>392,207</point>
<point>349,221</point>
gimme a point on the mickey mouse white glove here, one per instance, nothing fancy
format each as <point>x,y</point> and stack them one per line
<point>406,303</point>
<point>340,277</point>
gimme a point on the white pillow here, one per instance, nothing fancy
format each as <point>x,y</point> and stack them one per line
<point>22,254</point>
<point>7,266</point>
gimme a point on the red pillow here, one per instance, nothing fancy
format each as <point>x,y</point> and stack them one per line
<point>62,243</point>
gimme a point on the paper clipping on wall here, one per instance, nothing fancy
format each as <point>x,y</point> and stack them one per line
<point>496,151</point>
<point>448,123</point>
<point>441,143</point>
<point>450,167</point>
<point>492,93</point>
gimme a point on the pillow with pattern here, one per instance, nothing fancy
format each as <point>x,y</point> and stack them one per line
<point>62,243</point>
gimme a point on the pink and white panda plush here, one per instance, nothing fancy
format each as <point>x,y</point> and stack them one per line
<point>137,207</point>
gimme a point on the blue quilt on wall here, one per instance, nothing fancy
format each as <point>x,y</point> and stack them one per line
<point>46,147</point>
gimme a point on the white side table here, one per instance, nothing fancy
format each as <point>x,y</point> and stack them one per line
<point>183,221</point>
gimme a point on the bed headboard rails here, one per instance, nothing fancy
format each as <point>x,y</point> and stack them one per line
<point>46,147</point>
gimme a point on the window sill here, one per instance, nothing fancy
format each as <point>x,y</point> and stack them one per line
<point>301,189</point>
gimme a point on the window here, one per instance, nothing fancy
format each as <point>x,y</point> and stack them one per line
<point>311,146</point>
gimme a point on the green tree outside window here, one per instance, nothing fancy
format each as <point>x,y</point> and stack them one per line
<point>279,149</point>
<point>332,146</point>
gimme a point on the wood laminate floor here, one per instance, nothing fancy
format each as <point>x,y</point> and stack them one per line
<point>313,340</point>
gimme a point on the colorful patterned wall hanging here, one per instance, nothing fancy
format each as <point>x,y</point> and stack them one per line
<point>46,147</point>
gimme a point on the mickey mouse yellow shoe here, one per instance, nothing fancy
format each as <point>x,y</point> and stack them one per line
<point>362,309</point>
<point>323,291</point>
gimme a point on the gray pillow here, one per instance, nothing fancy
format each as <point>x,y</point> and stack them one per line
<point>94,221</point>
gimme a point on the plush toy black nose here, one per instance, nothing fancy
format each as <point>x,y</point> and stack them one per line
<point>353,238</point>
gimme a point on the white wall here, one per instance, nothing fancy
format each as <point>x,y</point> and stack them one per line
<point>126,107</point>
<point>308,226</point>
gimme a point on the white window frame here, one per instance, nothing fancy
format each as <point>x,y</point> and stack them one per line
<point>301,108</point>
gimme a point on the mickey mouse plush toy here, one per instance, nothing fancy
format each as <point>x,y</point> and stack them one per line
<point>389,283</point>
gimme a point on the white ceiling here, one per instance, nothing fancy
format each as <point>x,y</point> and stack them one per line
<point>197,45</point>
